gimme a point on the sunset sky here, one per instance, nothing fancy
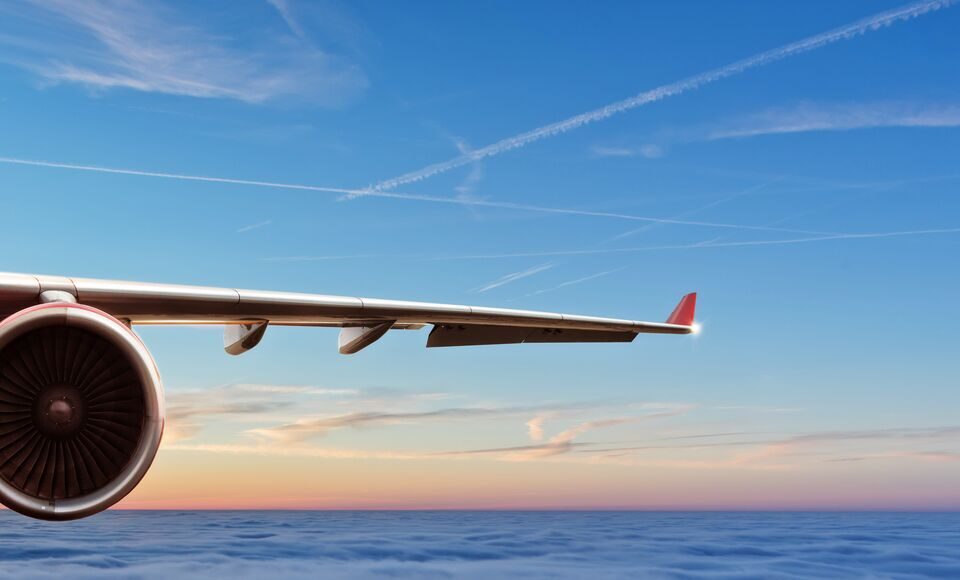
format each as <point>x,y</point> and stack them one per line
<point>794,163</point>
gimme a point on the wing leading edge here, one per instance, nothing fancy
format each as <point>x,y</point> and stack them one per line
<point>363,320</point>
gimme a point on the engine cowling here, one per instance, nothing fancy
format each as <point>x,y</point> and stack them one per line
<point>81,411</point>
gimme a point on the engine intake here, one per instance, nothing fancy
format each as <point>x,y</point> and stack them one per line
<point>81,411</point>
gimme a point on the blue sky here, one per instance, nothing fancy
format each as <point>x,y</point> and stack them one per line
<point>808,332</point>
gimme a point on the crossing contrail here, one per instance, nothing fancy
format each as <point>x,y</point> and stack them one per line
<point>399,195</point>
<point>180,176</point>
<point>698,245</point>
<point>629,250</point>
<point>577,281</point>
<point>858,28</point>
<point>504,280</point>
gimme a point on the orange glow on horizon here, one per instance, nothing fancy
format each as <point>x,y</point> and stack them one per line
<point>194,480</point>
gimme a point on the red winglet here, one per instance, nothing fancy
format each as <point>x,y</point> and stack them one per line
<point>683,313</point>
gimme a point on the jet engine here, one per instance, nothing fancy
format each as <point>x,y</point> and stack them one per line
<point>81,411</point>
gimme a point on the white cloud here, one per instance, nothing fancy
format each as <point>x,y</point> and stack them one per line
<point>286,13</point>
<point>291,389</point>
<point>565,442</point>
<point>605,151</point>
<point>470,182</point>
<point>144,46</point>
<point>303,429</point>
<point>535,427</point>
<point>649,151</point>
<point>255,226</point>
<point>807,117</point>
<point>189,412</point>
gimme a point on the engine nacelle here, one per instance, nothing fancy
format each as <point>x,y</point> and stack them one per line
<point>81,411</point>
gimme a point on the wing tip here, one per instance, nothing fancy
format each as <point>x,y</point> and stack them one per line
<point>683,314</point>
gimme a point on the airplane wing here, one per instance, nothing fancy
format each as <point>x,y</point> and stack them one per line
<point>247,313</point>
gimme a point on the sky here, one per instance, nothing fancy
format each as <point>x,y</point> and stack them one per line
<point>794,163</point>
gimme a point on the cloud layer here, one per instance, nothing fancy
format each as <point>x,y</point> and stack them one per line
<point>478,545</point>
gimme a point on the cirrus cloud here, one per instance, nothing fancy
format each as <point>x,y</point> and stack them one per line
<point>150,47</point>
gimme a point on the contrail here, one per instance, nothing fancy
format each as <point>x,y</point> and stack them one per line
<point>636,249</point>
<point>697,245</point>
<point>255,226</point>
<point>588,213</point>
<point>331,258</point>
<point>395,195</point>
<point>697,210</point>
<point>577,281</point>
<point>137,172</point>
<point>504,280</point>
<point>860,27</point>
